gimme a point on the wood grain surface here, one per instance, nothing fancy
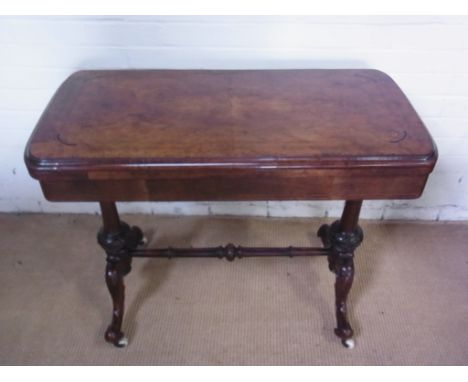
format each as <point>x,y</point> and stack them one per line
<point>267,133</point>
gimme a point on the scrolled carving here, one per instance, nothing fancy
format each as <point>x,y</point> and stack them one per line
<point>344,270</point>
<point>118,244</point>
<point>340,261</point>
<point>342,243</point>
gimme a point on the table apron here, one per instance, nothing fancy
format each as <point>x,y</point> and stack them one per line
<point>246,188</point>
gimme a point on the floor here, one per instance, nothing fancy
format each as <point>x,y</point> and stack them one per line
<point>408,303</point>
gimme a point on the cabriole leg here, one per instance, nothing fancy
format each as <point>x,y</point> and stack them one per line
<point>117,239</point>
<point>343,237</point>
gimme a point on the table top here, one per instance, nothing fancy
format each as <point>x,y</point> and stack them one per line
<point>228,118</point>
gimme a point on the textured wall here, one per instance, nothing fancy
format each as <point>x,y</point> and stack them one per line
<point>427,57</point>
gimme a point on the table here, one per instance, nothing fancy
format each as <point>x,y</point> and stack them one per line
<point>229,135</point>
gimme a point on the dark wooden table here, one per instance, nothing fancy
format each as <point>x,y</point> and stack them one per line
<point>192,135</point>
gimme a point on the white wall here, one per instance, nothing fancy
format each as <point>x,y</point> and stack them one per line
<point>427,56</point>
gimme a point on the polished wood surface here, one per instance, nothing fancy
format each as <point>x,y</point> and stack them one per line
<point>231,118</point>
<point>243,185</point>
<point>192,134</point>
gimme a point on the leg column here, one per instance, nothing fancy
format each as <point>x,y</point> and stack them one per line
<point>117,239</point>
<point>343,237</point>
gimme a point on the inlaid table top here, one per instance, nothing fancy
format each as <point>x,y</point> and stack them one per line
<point>122,124</point>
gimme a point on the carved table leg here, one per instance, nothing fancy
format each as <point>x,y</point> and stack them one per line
<point>343,237</point>
<point>117,239</point>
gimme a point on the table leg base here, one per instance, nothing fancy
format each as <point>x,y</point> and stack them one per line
<point>340,261</point>
<point>118,243</point>
<point>116,338</point>
<point>122,242</point>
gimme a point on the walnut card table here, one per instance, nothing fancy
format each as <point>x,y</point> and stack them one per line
<point>229,135</point>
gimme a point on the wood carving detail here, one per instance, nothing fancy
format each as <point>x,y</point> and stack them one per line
<point>117,246</point>
<point>343,243</point>
<point>340,261</point>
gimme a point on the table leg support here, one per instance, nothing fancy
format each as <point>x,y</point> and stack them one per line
<point>118,239</point>
<point>343,237</point>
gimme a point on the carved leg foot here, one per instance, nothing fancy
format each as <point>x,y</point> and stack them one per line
<point>117,245</point>
<point>344,270</point>
<point>114,280</point>
<point>342,238</point>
